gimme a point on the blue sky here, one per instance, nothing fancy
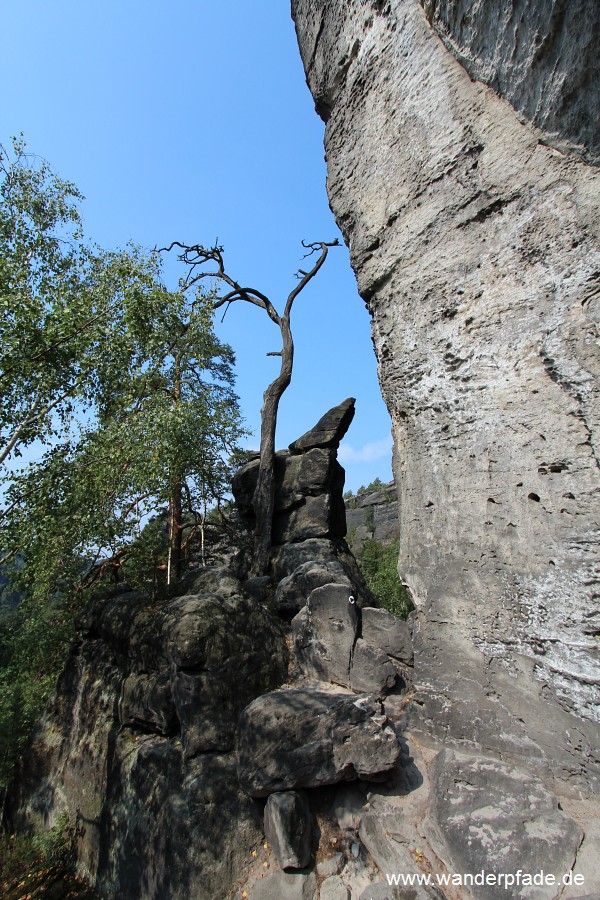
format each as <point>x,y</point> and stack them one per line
<point>193,124</point>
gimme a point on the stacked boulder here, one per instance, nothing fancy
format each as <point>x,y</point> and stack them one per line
<point>328,726</point>
<point>309,522</point>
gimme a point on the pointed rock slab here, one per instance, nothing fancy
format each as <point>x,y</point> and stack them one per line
<point>301,738</point>
<point>329,430</point>
<point>289,828</point>
<point>487,815</point>
<point>371,669</point>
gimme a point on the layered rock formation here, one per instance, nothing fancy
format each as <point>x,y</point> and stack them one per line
<point>138,746</point>
<point>474,237</point>
<point>167,722</point>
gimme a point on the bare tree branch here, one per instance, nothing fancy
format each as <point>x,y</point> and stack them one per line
<point>198,258</point>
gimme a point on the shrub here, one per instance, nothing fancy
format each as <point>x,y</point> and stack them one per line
<point>378,564</point>
<point>26,858</point>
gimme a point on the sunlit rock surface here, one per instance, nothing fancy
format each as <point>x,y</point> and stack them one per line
<point>474,238</point>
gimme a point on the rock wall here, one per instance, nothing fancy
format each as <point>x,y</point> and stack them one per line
<point>373,515</point>
<point>476,248</point>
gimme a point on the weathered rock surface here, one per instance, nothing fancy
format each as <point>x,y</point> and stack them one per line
<point>294,590</point>
<point>476,247</point>
<point>289,827</point>
<point>298,738</point>
<point>328,647</point>
<point>391,634</point>
<point>137,745</point>
<point>291,885</point>
<point>391,855</point>
<point>308,495</point>
<point>333,888</point>
<point>371,670</point>
<point>288,558</point>
<point>325,632</point>
<point>379,890</point>
<point>373,515</point>
<point>480,807</point>
<point>542,58</point>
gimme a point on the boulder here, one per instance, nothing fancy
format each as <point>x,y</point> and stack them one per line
<point>485,814</point>
<point>333,888</point>
<point>308,495</point>
<point>289,828</point>
<point>325,632</point>
<point>219,580</point>
<point>378,835</point>
<point>371,670</point>
<point>259,587</point>
<point>209,641</point>
<point>293,590</point>
<point>331,866</point>
<point>321,516</point>
<point>391,634</point>
<point>328,647</point>
<point>287,558</point>
<point>329,430</point>
<point>147,702</point>
<point>379,890</point>
<point>292,739</point>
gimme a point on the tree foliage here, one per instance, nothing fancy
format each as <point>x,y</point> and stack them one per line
<point>116,409</point>
<point>379,565</point>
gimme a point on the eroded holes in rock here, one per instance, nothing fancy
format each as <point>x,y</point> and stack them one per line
<point>542,470</point>
<point>449,313</point>
<point>558,466</point>
<point>533,496</point>
<point>429,504</point>
<point>519,484</point>
<point>551,562</point>
<point>491,500</point>
<point>569,495</point>
<point>383,7</point>
<point>469,321</point>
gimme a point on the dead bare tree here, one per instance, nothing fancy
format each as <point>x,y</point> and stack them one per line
<point>207,262</point>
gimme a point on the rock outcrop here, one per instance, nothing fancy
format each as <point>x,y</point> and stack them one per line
<point>173,715</point>
<point>328,644</point>
<point>138,746</point>
<point>302,738</point>
<point>474,237</point>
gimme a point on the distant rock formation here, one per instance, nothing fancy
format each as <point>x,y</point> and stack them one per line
<point>373,515</point>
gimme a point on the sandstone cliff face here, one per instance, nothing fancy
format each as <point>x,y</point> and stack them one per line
<point>476,248</point>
